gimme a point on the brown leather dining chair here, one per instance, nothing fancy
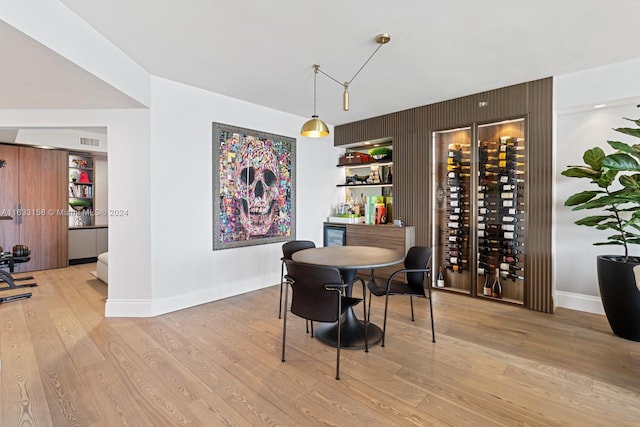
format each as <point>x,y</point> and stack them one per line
<point>288,249</point>
<point>318,295</point>
<point>408,281</point>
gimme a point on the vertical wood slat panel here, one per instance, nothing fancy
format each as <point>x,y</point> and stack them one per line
<point>411,132</point>
<point>539,271</point>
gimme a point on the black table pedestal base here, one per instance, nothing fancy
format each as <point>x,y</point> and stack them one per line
<point>352,334</point>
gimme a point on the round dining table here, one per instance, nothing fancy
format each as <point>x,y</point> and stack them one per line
<point>349,259</point>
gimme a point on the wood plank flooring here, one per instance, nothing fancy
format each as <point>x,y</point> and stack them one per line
<point>218,364</point>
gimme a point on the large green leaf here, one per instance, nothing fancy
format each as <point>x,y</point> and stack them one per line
<point>593,157</point>
<point>581,172</point>
<point>611,225</point>
<point>582,197</point>
<point>593,220</point>
<point>608,243</point>
<point>637,121</point>
<point>630,181</point>
<point>607,178</point>
<point>621,146</point>
<point>621,162</point>
<point>600,202</point>
<point>633,150</point>
<point>629,131</point>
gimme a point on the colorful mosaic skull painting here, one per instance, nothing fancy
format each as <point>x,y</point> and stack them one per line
<point>254,185</point>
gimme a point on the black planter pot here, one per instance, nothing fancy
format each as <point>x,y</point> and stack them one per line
<point>620,295</point>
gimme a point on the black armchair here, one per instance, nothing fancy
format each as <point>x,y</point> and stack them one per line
<point>318,295</point>
<point>288,249</point>
<point>416,268</point>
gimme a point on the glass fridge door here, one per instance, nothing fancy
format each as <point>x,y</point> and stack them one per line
<point>501,209</point>
<point>452,184</point>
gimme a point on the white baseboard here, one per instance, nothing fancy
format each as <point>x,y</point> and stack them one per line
<point>580,302</point>
<point>151,308</point>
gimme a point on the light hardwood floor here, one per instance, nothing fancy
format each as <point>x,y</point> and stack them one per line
<point>64,364</point>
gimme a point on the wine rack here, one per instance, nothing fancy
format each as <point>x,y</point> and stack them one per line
<point>483,210</point>
<point>501,172</point>
<point>454,253</point>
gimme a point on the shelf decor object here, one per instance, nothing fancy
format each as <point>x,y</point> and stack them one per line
<point>254,190</point>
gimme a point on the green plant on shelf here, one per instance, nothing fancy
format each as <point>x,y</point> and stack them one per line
<point>380,152</point>
<point>79,204</point>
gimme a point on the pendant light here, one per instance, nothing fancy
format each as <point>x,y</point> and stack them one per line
<point>314,128</point>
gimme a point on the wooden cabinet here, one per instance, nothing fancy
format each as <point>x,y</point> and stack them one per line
<point>383,236</point>
<point>33,205</point>
<point>85,244</point>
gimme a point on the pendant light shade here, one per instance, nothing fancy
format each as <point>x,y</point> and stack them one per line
<point>314,128</point>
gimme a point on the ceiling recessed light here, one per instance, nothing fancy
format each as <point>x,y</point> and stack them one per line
<point>600,106</point>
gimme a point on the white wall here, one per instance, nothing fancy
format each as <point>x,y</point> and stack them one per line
<point>129,162</point>
<point>578,127</point>
<point>185,269</point>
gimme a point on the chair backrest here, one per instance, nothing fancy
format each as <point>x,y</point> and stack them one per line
<point>417,257</point>
<point>292,246</point>
<point>310,299</point>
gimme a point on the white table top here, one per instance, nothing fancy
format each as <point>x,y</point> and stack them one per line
<point>349,257</point>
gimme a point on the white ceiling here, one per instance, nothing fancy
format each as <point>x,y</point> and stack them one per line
<point>263,51</point>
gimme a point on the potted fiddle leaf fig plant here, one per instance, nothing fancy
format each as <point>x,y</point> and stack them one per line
<point>616,195</point>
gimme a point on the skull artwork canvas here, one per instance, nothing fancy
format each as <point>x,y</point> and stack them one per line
<point>254,190</point>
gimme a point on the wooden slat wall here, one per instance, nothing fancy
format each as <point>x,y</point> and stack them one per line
<point>411,132</point>
<point>539,266</point>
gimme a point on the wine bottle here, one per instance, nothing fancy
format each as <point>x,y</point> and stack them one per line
<point>510,259</point>
<point>510,235</point>
<point>440,282</point>
<point>496,287</point>
<point>486,288</point>
<point>507,195</point>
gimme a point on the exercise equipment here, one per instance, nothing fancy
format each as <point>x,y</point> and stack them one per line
<point>10,281</point>
<point>15,297</point>
<point>19,254</point>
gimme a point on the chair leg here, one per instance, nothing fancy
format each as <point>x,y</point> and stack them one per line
<point>411,301</point>
<point>384,323</point>
<point>284,323</point>
<point>312,336</point>
<point>369,308</point>
<point>433,330</point>
<point>339,338</point>
<point>281,284</point>
<point>366,320</point>
<point>306,322</point>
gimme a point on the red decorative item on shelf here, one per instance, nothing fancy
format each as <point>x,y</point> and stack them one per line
<point>84,177</point>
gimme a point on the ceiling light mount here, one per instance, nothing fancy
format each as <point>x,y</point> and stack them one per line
<point>381,39</point>
<point>316,128</point>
